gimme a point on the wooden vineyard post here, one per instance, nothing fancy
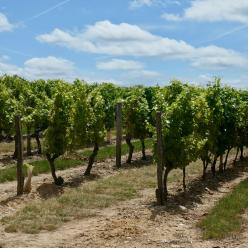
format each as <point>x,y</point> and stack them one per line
<point>118,118</point>
<point>19,146</point>
<point>160,190</point>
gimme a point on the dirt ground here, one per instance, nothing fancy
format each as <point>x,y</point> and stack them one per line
<point>43,187</point>
<point>136,223</point>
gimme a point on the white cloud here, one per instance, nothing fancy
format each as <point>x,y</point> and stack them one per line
<point>117,39</point>
<point>241,83</point>
<point>136,70</point>
<point>130,40</point>
<point>5,25</point>
<point>214,10</point>
<point>145,77</point>
<point>218,58</point>
<point>171,17</point>
<point>46,68</point>
<point>134,4</point>
<point>7,68</point>
<point>49,67</point>
<point>145,74</point>
<point>120,64</point>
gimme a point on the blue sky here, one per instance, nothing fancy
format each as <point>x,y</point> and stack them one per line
<point>126,41</point>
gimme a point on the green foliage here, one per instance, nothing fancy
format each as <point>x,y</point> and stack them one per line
<point>242,120</point>
<point>110,93</point>
<point>224,104</point>
<point>181,127</point>
<point>80,115</point>
<point>42,104</point>
<point>96,117</point>
<point>214,98</point>
<point>136,114</point>
<point>56,137</point>
<point>7,109</point>
<point>197,122</point>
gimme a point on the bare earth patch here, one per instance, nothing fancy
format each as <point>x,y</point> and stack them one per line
<point>43,187</point>
<point>134,223</point>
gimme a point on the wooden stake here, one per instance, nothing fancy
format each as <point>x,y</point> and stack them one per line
<point>160,194</point>
<point>19,146</point>
<point>118,133</point>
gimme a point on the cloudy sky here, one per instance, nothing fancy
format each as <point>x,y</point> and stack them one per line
<point>126,41</point>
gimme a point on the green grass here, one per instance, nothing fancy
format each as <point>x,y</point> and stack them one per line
<point>42,166</point>
<point>81,202</point>
<point>226,217</point>
<point>109,151</point>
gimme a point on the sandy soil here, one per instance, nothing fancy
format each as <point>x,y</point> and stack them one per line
<point>135,223</point>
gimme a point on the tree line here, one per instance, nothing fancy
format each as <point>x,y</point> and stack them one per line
<point>200,123</point>
<point>70,116</point>
<point>197,122</point>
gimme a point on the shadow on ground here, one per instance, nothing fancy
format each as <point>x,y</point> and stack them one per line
<point>196,188</point>
<point>79,179</point>
<point>47,190</point>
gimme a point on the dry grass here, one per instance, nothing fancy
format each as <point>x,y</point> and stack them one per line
<point>9,147</point>
<point>83,201</point>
